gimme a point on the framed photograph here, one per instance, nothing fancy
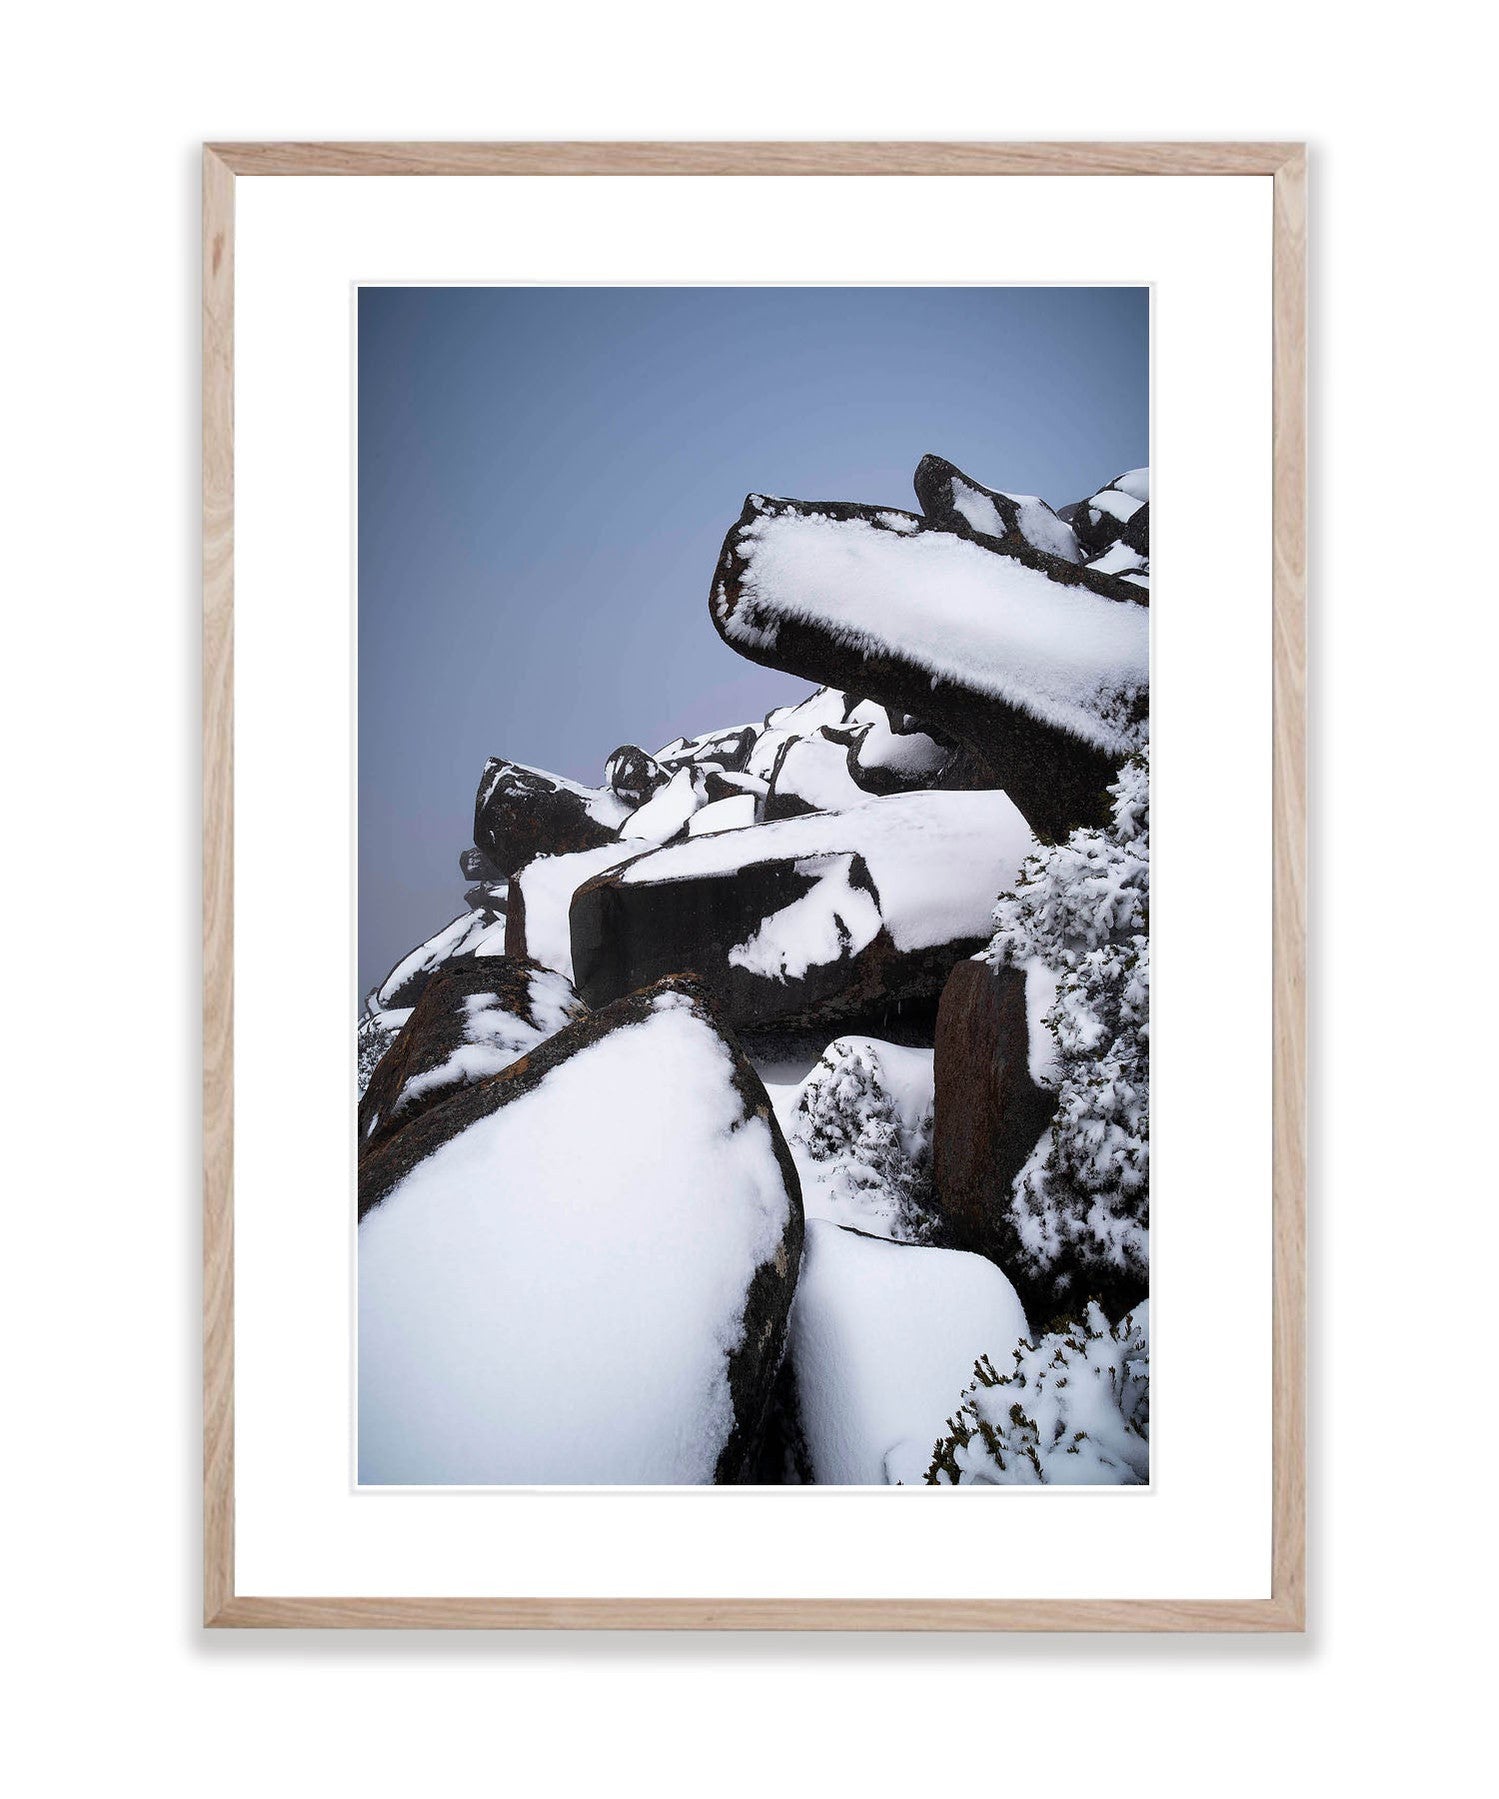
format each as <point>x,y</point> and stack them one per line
<point>754,886</point>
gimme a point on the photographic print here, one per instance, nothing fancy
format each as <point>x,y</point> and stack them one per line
<point>753,1060</point>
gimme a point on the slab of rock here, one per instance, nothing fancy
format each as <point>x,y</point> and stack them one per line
<point>990,1109</point>
<point>807,920</point>
<point>470,933</point>
<point>1119,511</point>
<point>476,866</point>
<point>474,1018</point>
<point>726,750</point>
<point>581,1269</point>
<point>1041,666</point>
<point>541,897</point>
<point>954,501</point>
<point>521,813</point>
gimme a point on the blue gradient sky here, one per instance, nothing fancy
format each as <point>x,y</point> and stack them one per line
<point>546,476</point>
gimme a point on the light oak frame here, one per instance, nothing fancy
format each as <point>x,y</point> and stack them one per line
<point>1285,163</point>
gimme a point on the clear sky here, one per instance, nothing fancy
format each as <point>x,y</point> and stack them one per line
<point>546,476</point>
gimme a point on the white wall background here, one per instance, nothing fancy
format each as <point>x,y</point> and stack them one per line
<point>104,108</point>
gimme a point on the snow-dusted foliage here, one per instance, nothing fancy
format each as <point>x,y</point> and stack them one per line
<point>1074,1412</point>
<point>1080,1209</point>
<point>377,1031</point>
<point>869,1148</point>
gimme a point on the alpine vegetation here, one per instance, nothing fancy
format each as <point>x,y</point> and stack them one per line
<point>771,1100</point>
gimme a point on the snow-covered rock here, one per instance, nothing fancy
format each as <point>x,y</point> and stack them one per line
<point>541,897</point>
<point>1116,513</point>
<point>470,933</point>
<point>860,1129</point>
<point>1040,665</point>
<point>992,1056</point>
<point>956,502</point>
<point>521,813</point>
<point>811,774</point>
<point>667,811</point>
<point>474,1018</point>
<point>805,920</point>
<point>892,752</point>
<point>884,1337</point>
<point>632,775</point>
<point>1073,1411</point>
<point>580,1270</point>
<point>731,814</point>
<point>726,750</point>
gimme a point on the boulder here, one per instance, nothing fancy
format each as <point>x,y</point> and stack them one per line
<point>665,814</point>
<point>581,1269</point>
<point>727,750</point>
<point>476,866</point>
<point>1105,517</point>
<point>521,813</point>
<point>474,1018</point>
<point>541,897</point>
<point>990,1107</point>
<point>1040,665</point>
<point>488,897</point>
<point>812,774</point>
<point>954,501</point>
<point>884,1337</point>
<point>470,933</point>
<point>808,920</point>
<point>632,775</point>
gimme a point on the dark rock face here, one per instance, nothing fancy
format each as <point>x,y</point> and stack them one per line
<point>521,813</point>
<point>473,1018</point>
<point>633,775</point>
<point>474,865</point>
<point>765,1309</point>
<point>989,1113</point>
<point>1058,780</point>
<point>1111,515</point>
<point>462,938</point>
<point>488,897</point>
<point>786,922</point>
<point>956,502</point>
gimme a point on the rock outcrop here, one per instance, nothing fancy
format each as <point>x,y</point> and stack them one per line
<point>989,1111</point>
<point>581,1268</point>
<point>521,813</point>
<point>814,919</point>
<point>1039,665</point>
<point>474,1017</point>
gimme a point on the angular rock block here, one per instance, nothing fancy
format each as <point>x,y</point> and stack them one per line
<point>1039,665</point>
<point>808,920</point>
<point>989,1110</point>
<point>954,501</point>
<point>472,932</point>
<point>581,1269</point>
<point>1117,512</point>
<point>521,813</point>
<point>474,1018</point>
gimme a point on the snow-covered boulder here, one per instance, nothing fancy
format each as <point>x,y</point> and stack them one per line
<point>521,813</point>
<point>993,1056</point>
<point>472,932</point>
<point>1039,664</point>
<point>490,897</point>
<point>954,501</point>
<point>727,750</point>
<point>884,1337</point>
<point>1073,1411</point>
<point>665,814</point>
<point>891,752</point>
<point>806,920</point>
<point>474,1018</point>
<point>860,1130</point>
<point>811,774</point>
<point>632,775</point>
<point>541,897</point>
<point>1117,512</point>
<point>581,1269</point>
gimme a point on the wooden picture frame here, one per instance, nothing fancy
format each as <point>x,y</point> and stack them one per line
<point>1285,163</point>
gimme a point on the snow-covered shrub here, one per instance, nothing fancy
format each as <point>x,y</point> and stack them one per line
<point>375,1036</point>
<point>874,1164</point>
<point>1078,1218</point>
<point>1075,1412</point>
